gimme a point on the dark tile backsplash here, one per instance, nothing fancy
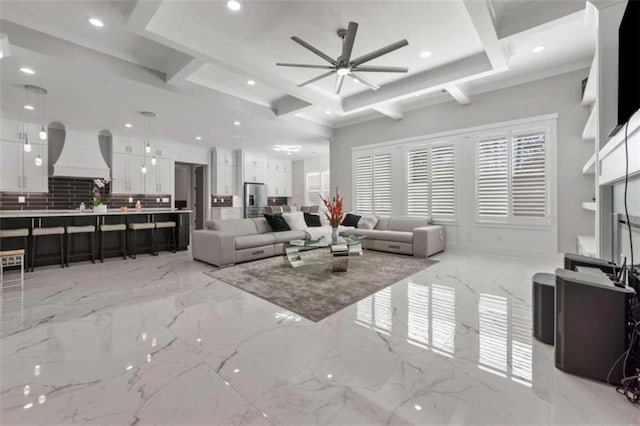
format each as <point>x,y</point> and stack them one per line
<point>277,201</point>
<point>67,193</point>
<point>221,201</point>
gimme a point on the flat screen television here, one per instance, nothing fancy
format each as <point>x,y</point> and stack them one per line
<point>629,63</point>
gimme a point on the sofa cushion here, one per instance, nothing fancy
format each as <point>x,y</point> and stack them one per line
<point>286,236</point>
<point>406,223</point>
<point>398,236</point>
<point>368,221</point>
<point>233,226</point>
<point>255,240</point>
<point>262,226</point>
<point>351,220</point>
<point>312,220</point>
<point>276,223</point>
<point>370,234</point>
<point>383,223</point>
<point>295,220</point>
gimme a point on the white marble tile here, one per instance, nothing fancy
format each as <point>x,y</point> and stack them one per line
<point>157,341</point>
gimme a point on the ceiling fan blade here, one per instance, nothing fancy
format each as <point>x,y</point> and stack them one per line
<point>320,77</point>
<point>376,53</point>
<point>364,80</point>
<point>339,81</point>
<point>314,50</point>
<point>372,68</point>
<point>322,67</point>
<point>349,39</point>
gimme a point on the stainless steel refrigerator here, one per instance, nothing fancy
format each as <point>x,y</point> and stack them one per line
<point>255,199</point>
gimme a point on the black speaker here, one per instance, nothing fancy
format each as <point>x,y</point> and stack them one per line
<point>592,329</point>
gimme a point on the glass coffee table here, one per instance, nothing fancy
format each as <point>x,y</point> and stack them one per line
<point>339,252</point>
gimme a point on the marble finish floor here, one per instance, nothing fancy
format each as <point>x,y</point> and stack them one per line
<point>156,341</point>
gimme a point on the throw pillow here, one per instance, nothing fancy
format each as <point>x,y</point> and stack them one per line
<point>277,223</point>
<point>368,221</point>
<point>312,220</point>
<point>295,220</point>
<point>351,220</point>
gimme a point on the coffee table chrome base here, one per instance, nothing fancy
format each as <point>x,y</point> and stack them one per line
<point>339,262</point>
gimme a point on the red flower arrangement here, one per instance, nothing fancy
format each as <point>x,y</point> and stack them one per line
<point>334,207</point>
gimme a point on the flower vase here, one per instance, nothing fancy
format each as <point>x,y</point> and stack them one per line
<point>100,209</point>
<point>334,235</point>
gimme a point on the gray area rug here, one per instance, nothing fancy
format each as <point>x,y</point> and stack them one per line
<point>313,291</point>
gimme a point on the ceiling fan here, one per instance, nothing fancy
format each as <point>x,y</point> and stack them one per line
<point>343,65</point>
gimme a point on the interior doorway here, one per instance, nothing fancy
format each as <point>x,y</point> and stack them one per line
<point>190,190</point>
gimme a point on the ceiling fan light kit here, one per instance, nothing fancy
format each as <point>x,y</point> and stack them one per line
<point>343,66</point>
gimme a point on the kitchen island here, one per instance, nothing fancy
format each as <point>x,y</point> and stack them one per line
<point>31,219</point>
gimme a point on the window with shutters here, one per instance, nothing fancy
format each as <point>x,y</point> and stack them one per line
<point>512,178</point>
<point>382,184</point>
<point>373,184</point>
<point>431,181</point>
<point>364,184</point>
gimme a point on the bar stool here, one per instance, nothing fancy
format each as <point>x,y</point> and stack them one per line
<point>135,227</point>
<point>43,232</point>
<point>171,226</point>
<point>119,227</point>
<point>85,229</point>
<point>17,233</point>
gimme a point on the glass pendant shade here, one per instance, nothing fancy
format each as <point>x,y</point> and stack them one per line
<point>38,160</point>
<point>27,146</point>
<point>147,148</point>
<point>43,133</point>
<point>144,170</point>
<point>153,161</point>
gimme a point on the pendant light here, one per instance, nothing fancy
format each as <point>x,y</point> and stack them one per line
<point>38,160</point>
<point>27,145</point>
<point>147,117</point>
<point>43,133</point>
<point>154,161</point>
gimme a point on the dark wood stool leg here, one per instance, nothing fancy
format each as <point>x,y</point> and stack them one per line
<point>33,251</point>
<point>93,247</point>
<point>154,238</point>
<point>62,251</point>
<point>102,247</point>
<point>123,240</point>
<point>134,249</point>
<point>69,239</point>
<point>26,252</point>
<point>173,239</point>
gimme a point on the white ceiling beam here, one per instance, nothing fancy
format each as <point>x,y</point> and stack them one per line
<point>391,110</point>
<point>480,14</point>
<point>288,105</point>
<point>460,93</point>
<point>5,49</point>
<point>180,69</point>
<point>462,70</point>
<point>534,15</point>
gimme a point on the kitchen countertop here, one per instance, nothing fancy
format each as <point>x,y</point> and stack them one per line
<point>59,213</point>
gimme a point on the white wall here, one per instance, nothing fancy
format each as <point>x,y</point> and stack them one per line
<point>560,94</point>
<point>300,168</point>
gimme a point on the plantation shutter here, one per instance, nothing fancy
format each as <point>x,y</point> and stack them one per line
<point>364,184</point>
<point>528,176</point>
<point>443,181</point>
<point>492,178</point>
<point>382,184</point>
<point>418,316</point>
<point>418,183</point>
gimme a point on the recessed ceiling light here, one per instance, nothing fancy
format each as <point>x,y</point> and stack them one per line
<point>234,5</point>
<point>538,49</point>
<point>129,125</point>
<point>418,407</point>
<point>425,54</point>
<point>328,112</point>
<point>236,123</point>
<point>355,80</point>
<point>27,70</point>
<point>287,148</point>
<point>251,82</point>
<point>198,138</point>
<point>29,107</point>
<point>96,22</point>
<point>237,370</point>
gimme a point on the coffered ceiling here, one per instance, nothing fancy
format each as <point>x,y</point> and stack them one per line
<point>193,59</point>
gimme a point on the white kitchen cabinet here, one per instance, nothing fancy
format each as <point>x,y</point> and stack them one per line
<point>11,166</point>
<point>225,157</point>
<point>165,170</point>
<point>126,173</point>
<point>159,150</point>
<point>36,178</point>
<point>18,170</point>
<point>226,213</point>
<point>125,145</point>
<point>252,159</point>
<point>224,180</point>
<point>254,174</point>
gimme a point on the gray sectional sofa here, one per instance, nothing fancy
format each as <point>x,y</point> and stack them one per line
<point>226,242</point>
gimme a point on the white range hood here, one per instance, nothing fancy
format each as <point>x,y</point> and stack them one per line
<point>81,157</point>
